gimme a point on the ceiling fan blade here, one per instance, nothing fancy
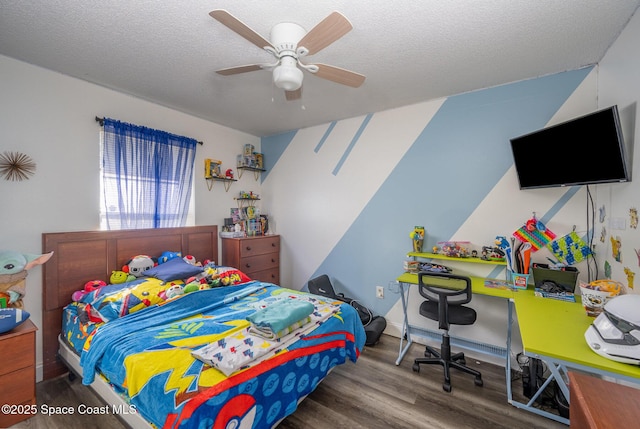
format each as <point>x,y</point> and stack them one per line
<point>225,18</point>
<point>325,33</point>
<point>338,75</point>
<point>293,95</point>
<point>240,69</point>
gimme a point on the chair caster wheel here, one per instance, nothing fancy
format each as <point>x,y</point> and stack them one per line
<point>446,387</point>
<point>427,354</point>
<point>478,382</point>
<point>462,361</point>
<point>416,367</point>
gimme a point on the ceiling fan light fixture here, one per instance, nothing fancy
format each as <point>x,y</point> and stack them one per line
<point>287,77</point>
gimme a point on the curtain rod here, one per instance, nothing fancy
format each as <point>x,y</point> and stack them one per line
<point>101,121</point>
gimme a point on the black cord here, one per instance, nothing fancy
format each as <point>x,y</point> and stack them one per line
<point>590,234</point>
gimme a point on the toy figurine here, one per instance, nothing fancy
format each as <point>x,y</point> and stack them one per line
<point>228,174</point>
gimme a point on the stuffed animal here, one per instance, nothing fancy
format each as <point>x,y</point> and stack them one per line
<point>13,271</point>
<point>89,287</point>
<point>118,277</point>
<point>166,256</point>
<point>137,265</point>
<point>174,290</point>
<point>190,259</point>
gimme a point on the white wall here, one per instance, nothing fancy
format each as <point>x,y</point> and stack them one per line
<point>619,84</point>
<point>51,118</point>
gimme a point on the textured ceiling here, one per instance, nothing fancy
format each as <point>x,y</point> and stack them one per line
<point>410,51</point>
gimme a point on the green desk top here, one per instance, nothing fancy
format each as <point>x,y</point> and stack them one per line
<point>549,327</point>
<point>555,328</point>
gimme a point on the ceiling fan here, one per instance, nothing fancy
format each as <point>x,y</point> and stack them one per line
<point>289,44</point>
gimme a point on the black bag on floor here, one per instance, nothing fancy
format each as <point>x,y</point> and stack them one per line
<point>373,325</point>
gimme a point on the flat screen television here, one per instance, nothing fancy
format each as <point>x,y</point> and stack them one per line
<point>583,151</point>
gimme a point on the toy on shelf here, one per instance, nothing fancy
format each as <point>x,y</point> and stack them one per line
<point>455,249</point>
<point>490,253</point>
<point>212,168</point>
<point>417,236</point>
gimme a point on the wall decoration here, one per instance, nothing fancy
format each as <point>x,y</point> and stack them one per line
<point>633,218</point>
<point>534,232</point>
<point>603,234</point>
<point>602,214</point>
<point>16,166</point>
<point>607,270</point>
<point>630,276</point>
<point>616,245</point>
<point>571,249</point>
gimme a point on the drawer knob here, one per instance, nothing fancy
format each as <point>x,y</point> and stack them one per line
<point>248,247</point>
<point>247,266</point>
<point>273,244</point>
<point>273,260</point>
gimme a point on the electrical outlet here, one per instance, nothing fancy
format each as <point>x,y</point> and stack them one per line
<point>379,292</point>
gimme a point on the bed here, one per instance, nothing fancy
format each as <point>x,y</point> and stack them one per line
<point>194,360</point>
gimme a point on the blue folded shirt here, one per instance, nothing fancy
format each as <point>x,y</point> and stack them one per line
<point>281,314</point>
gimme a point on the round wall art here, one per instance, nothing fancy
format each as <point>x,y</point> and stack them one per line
<point>16,166</point>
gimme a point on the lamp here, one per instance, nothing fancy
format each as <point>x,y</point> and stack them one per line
<point>287,75</point>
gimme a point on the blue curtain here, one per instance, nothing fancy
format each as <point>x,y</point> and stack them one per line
<point>147,176</point>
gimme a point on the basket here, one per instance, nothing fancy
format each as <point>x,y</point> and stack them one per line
<point>519,281</point>
<point>596,294</point>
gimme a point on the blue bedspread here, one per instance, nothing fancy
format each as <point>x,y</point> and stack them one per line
<point>147,355</point>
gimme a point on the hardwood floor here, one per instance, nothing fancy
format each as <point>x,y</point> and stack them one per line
<point>372,394</point>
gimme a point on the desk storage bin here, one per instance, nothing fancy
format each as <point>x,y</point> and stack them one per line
<point>566,277</point>
<point>519,281</point>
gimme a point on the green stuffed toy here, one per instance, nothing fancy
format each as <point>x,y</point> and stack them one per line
<point>13,271</point>
<point>118,277</point>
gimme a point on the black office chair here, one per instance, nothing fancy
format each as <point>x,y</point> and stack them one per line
<point>445,294</point>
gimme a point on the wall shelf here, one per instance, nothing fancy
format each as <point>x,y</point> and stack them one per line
<point>242,202</point>
<point>227,182</point>
<point>452,258</point>
<point>256,171</point>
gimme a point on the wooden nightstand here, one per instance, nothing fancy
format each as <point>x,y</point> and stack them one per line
<point>258,257</point>
<point>18,371</point>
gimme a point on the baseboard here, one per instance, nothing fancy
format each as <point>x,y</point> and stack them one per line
<point>484,352</point>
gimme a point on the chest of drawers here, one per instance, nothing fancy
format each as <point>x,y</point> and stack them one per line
<point>258,257</point>
<point>18,371</point>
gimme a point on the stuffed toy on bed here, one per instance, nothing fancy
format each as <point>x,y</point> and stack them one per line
<point>137,265</point>
<point>13,271</point>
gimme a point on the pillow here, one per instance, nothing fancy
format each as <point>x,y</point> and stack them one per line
<point>173,269</point>
<point>134,296</point>
<point>11,318</point>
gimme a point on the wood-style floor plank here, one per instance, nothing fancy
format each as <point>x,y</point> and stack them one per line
<point>372,394</point>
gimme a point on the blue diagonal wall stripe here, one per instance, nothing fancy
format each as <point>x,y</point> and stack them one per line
<point>353,142</point>
<point>325,136</point>
<point>457,159</point>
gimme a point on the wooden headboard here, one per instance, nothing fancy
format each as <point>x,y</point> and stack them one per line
<point>92,255</point>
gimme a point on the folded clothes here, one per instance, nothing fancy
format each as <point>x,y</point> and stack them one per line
<point>244,349</point>
<point>269,334</point>
<point>281,314</point>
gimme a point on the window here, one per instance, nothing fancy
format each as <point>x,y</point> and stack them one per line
<point>147,177</point>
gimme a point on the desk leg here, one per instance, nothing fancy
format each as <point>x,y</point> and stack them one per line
<point>405,334</point>
<point>507,364</point>
<point>556,374</point>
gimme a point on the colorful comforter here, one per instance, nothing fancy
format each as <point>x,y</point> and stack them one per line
<point>147,356</point>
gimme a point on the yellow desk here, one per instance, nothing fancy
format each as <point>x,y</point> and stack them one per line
<point>551,330</point>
